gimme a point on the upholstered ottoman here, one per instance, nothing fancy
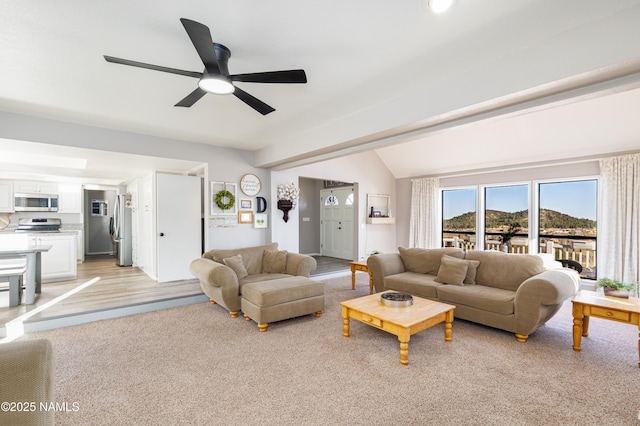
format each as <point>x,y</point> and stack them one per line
<point>280,299</point>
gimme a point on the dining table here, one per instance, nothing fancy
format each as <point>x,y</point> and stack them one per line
<point>33,275</point>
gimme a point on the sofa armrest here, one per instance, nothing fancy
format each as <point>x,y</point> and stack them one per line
<point>541,296</point>
<point>27,374</point>
<point>382,265</point>
<point>214,274</point>
<point>550,287</point>
<point>300,264</point>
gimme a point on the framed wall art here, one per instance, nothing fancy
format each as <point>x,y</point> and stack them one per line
<point>223,198</point>
<point>260,220</point>
<point>245,205</point>
<point>245,216</point>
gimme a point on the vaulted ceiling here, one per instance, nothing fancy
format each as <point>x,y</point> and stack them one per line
<point>487,83</point>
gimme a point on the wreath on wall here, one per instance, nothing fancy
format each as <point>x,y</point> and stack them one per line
<point>221,195</point>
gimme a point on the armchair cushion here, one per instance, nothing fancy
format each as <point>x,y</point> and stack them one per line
<point>235,263</point>
<point>274,262</point>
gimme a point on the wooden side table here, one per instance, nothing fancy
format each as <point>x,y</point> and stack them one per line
<point>591,304</point>
<point>360,266</point>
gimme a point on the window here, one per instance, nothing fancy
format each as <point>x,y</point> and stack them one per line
<point>506,218</point>
<point>331,200</point>
<point>567,222</point>
<point>459,218</point>
<point>563,219</point>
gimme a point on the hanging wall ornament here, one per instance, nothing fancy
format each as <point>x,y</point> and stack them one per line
<point>261,205</point>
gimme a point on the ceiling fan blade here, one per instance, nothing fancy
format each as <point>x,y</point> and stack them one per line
<point>289,76</point>
<point>201,38</point>
<point>191,98</point>
<point>152,67</point>
<point>253,102</point>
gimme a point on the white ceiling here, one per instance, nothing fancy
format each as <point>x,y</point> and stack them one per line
<point>376,70</point>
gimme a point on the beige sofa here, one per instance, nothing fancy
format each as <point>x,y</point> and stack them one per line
<point>222,273</point>
<point>27,383</point>
<point>513,292</point>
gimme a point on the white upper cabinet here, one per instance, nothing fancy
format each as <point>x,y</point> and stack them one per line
<point>36,187</point>
<point>6,197</point>
<point>70,198</point>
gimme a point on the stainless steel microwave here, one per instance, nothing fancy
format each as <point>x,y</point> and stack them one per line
<point>36,202</point>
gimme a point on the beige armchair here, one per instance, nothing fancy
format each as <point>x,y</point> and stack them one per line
<point>27,377</point>
<point>223,283</point>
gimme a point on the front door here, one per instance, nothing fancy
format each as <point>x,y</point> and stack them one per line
<point>336,229</point>
<point>178,225</point>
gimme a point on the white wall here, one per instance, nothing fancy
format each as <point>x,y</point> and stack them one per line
<point>224,164</point>
<point>370,175</point>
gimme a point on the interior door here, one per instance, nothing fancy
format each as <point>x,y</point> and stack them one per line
<point>178,216</point>
<point>336,229</point>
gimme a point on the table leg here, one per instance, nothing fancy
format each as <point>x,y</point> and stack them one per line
<point>345,322</point>
<point>639,346</point>
<point>370,283</point>
<point>353,278</point>
<point>30,284</point>
<point>448,320</point>
<point>404,347</point>
<point>578,317</point>
<point>38,272</point>
<point>585,326</point>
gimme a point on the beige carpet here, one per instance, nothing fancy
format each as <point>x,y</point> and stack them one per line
<point>195,365</point>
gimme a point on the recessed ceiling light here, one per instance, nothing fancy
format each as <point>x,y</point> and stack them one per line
<point>439,6</point>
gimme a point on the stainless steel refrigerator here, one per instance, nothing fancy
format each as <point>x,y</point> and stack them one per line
<point>120,229</point>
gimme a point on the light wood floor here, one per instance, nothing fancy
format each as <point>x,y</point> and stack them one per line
<point>117,287</point>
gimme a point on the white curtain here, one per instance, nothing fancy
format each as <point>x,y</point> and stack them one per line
<point>424,225</point>
<point>619,218</point>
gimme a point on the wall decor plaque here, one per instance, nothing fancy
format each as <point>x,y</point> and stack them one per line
<point>250,184</point>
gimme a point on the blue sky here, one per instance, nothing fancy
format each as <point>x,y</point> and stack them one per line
<point>577,199</point>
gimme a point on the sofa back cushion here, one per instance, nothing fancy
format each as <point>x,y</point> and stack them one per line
<point>505,270</point>
<point>426,261</point>
<point>251,256</point>
<point>274,262</point>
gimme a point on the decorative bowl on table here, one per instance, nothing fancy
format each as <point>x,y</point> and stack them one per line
<point>396,300</point>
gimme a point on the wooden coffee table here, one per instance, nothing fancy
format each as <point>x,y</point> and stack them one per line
<point>401,321</point>
<point>591,304</point>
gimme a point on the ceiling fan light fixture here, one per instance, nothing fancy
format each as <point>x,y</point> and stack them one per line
<point>217,84</point>
<point>440,6</point>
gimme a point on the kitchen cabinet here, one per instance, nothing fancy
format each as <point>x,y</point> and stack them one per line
<point>69,198</point>
<point>6,197</point>
<point>79,246</point>
<point>59,263</point>
<point>36,187</point>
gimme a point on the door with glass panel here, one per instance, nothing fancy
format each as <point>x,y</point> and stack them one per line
<point>336,228</point>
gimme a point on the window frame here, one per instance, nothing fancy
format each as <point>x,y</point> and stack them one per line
<point>533,188</point>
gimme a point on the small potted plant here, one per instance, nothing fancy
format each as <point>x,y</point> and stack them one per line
<point>616,288</point>
<point>505,237</point>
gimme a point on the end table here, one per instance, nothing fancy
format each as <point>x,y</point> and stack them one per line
<point>360,266</point>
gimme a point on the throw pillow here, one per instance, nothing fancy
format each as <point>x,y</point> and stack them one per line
<point>452,271</point>
<point>235,263</point>
<point>470,279</point>
<point>274,262</point>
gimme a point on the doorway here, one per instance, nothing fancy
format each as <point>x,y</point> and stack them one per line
<point>98,212</point>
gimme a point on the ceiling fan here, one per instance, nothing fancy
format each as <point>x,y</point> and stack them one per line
<point>216,78</point>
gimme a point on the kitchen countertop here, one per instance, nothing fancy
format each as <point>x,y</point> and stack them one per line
<point>61,232</point>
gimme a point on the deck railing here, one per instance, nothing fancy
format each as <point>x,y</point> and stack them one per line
<point>579,249</point>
